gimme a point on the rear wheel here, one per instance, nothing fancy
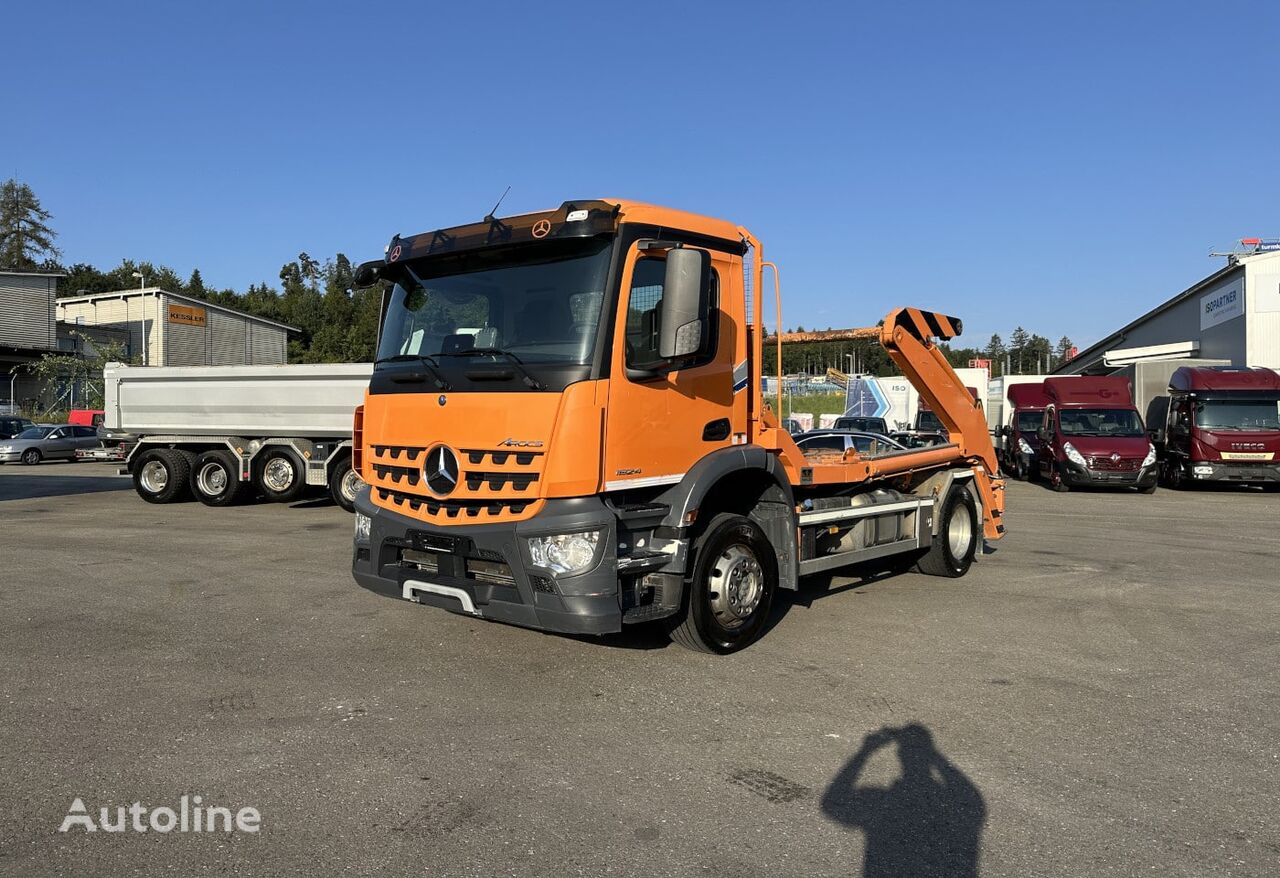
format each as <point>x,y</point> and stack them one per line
<point>280,475</point>
<point>729,596</point>
<point>215,479</point>
<point>956,542</point>
<point>344,484</point>
<point>162,475</point>
<point>31,456</point>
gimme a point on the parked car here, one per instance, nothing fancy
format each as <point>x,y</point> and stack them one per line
<point>862,424</point>
<point>843,440</point>
<point>11,425</point>
<point>792,426</point>
<point>49,442</point>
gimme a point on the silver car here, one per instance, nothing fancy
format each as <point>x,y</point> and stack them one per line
<point>56,442</point>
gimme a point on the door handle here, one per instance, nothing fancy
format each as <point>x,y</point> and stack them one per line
<point>716,431</point>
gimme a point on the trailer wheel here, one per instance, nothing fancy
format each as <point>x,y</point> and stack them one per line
<point>729,596</point>
<point>956,542</point>
<point>281,476</point>
<point>215,479</point>
<point>162,475</point>
<point>344,484</point>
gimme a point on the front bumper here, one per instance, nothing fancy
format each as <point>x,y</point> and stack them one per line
<point>1256,473</point>
<point>466,558</point>
<point>10,456</point>
<point>1083,477</point>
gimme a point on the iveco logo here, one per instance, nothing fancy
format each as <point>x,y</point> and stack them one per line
<point>521,443</point>
<point>440,469</point>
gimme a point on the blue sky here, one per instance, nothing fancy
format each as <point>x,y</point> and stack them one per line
<point>1062,166</point>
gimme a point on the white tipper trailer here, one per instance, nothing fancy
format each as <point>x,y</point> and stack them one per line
<point>227,433</point>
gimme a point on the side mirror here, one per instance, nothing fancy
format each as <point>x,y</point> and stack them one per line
<point>366,273</point>
<point>1005,431</point>
<point>685,303</point>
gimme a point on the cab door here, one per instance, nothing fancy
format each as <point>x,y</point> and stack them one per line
<point>665,416</point>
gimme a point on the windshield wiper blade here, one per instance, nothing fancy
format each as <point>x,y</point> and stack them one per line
<point>529,380</point>
<point>427,362</point>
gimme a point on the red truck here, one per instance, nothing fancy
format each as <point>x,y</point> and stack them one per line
<point>1223,425</point>
<point>1022,434</point>
<point>1091,435</point>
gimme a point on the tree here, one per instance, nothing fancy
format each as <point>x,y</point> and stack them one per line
<point>995,351</point>
<point>1038,352</point>
<point>1017,346</point>
<point>68,377</point>
<point>25,235</point>
<point>1063,350</point>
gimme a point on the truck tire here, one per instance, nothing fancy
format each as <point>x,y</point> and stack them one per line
<point>215,479</point>
<point>280,475</point>
<point>957,540</point>
<point>344,484</point>
<point>162,475</point>
<point>730,593</point>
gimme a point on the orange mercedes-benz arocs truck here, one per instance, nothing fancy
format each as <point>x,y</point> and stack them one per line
<point>565,429</point>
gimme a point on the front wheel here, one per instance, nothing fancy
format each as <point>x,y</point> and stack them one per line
<point>31,456</point>
<point>956,542</point>
<point>344,484</point>
<point>728,598</point>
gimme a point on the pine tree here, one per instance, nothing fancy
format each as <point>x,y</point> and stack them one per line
<point>1018,342</point>
<point>25,234</point>
<point>1063,350</point>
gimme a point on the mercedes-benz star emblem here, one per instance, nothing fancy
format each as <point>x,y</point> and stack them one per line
<point>440,469</point>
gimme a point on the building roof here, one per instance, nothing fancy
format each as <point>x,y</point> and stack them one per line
<point>31,273</point>
<point>153,291</point>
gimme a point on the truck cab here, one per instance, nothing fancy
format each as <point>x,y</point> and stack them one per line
<point>1223,425</point>
<point>1091,435</point>
<point>1020,438</point>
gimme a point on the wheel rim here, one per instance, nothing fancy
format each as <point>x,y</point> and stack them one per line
<point>959,533</point>
<point>735,586</point>
<point>31,456</point>
<point>278,474</point>
<point>155,476</point>
<point>350,485</point>
<point>212,479</point>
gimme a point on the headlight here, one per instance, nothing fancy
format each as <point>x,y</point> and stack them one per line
<point>1151,455</point>
<point>1072,455</point>
<point>5,448</point>
<point>565,553</point>
<point>363,523</point>
<point>1023,446</point>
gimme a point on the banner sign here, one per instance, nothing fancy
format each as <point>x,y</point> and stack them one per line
<point>185,316</point>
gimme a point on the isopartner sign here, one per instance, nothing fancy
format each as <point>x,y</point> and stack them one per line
<point>1223,304</point>
<point>185,316</point>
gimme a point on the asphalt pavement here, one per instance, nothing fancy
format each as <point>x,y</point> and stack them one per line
<point>1098,697</point>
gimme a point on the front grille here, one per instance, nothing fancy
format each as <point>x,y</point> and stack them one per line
<point>434,507</point>
<point>499,458</point>
<point>410,452</point>
<point>396,473</point>
<point>1123,465</point>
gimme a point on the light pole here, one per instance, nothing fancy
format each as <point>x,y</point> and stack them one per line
<point>849,357</point>
<point>142,321</point>
<point>13,383</point>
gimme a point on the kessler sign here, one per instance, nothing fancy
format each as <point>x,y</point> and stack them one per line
<point>185,316</point>
<point>1223,304</point>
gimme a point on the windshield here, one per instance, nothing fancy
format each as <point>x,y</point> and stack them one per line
<point>860,423</point>
<point>927,421</point>
<point>542,304</point>
<point>34,433</point>
<point>1238,414</point>
<point>1029,422</point>
<point>1100,422</point>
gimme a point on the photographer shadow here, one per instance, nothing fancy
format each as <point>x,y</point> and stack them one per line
<point>928,822</point>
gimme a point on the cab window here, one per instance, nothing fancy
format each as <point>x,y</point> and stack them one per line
<point>644,316</point>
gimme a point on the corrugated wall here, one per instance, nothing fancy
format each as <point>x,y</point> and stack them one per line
<point>1262,303</point>
<point>183,345</point>
<point>228,339</point>
<point>267,345</point>
<point>27,314</point>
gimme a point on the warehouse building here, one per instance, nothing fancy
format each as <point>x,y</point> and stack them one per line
<point>1233,315</point>
<point>170,329</point>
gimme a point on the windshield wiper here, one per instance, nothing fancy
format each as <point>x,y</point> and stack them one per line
<point>529,380</point>
<point>427,362</point>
